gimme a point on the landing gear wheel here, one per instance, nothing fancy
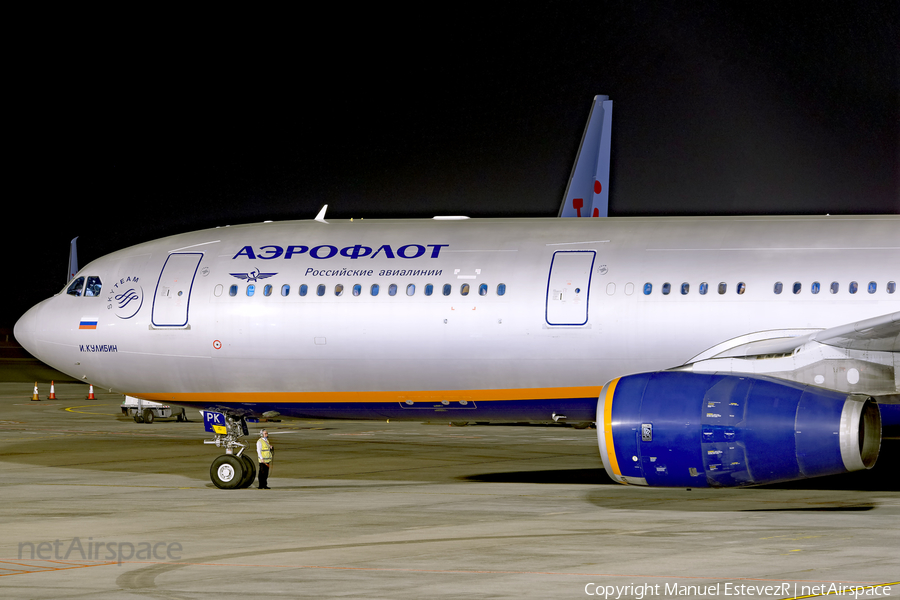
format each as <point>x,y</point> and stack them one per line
<point>147,415</point>
<point>249,471</point>
<point>182,418</point>
<point>227,472</point>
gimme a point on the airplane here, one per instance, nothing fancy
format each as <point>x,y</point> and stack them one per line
<point>709,351</point>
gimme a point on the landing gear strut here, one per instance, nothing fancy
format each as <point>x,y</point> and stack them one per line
<point>233,469</point>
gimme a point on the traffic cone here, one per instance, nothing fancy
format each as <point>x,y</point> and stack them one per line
<point>52,395</point>
<point>34,396</point>
<point>91,393</point>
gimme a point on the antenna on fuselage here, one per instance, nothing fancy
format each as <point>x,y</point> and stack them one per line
<point>321,216</point>
<point>73,259</point>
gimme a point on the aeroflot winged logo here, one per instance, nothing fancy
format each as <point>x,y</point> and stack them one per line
<point>253,276</point>
<point>326,251</point>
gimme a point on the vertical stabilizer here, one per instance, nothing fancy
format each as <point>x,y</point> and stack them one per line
<point>587,194</point>
<point>73,259</point>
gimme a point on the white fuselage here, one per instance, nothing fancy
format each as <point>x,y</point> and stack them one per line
<point>573,316</point>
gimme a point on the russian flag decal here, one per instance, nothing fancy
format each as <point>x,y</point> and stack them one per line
<point>88,323</point>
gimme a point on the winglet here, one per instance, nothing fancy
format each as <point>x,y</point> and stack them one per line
<point>73,259</point>
<point>587,194</point>
<point>321,216</point>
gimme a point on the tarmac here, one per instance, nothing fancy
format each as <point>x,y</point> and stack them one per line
<point>98,506</point>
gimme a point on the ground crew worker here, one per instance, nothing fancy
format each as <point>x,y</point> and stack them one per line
<point>265,452</point>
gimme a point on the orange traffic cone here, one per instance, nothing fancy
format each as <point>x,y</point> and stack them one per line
<point>91,393</point>
<point>52,395</point>
<point>34,396</point>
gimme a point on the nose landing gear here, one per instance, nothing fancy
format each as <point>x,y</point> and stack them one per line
<point>233,469</point>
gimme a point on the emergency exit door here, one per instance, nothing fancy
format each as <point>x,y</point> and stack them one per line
<point>568,287</point>
<point>172,299</point>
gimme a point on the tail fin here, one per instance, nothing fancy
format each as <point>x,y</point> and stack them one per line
<point>73,259</point>
<point>587,194</point>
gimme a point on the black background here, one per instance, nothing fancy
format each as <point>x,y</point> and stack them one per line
<point>128,126</point>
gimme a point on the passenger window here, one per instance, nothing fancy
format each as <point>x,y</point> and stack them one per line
<point>648,289</point>
<point>685,288</point>
<point>320,290</point>
<point>267,291</point>
<point>741,287</point>
<point>797,287</point>
<point>392,289</point>
<point>482,289</point>
<point>447,289</point>
<point>704,287</point>
<point>667,287</point>
<point>411,289</point>
<point>501,289</point>
<point>429,289</point>
<point>285,290</point>
<point>873,287</point>
<point>779,287</point>
<point>93,286</point>
<point>814,288</point>
<point>464,289</point>
<point>232,291</point>
<point>303,289</point>
<point>251,289</point>
<point>835,287</point>
<point>339,289</point>
<point>853,287</point>
<point>891,287</point>
<point>723,287</point>
<point>75,287</point>
<point>357,289</point>
<point>374,289</point>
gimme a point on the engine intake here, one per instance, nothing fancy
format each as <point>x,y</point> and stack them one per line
<point>676,429</point>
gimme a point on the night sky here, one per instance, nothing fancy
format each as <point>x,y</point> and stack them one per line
<point>129,127</point>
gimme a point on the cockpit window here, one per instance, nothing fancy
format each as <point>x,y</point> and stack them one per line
<point>76,287</point>
<point>93,287</point>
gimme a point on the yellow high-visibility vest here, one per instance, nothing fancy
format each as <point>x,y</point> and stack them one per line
<point>265,450</point>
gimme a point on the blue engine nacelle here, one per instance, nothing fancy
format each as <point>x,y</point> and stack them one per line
<point>679,429</point>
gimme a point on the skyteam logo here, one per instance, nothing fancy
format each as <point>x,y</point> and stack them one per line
<point>125,297</point>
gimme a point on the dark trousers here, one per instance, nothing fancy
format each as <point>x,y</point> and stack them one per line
<point>263,475</point>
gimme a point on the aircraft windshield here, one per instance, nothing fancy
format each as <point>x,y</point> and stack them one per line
<point>93,288</point>
<point>76,287</point>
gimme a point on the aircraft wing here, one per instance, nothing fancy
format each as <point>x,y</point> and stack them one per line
<point>880,334</point>
<point>877,334</point>
<point>859,358</point>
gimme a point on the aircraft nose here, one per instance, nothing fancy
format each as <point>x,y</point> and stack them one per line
<point>25,330</point>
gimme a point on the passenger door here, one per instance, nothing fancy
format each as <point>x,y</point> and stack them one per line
<point>172,299</point>
<point>568,287</point>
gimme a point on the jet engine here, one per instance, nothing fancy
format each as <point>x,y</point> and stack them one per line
<point>677,429</point>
